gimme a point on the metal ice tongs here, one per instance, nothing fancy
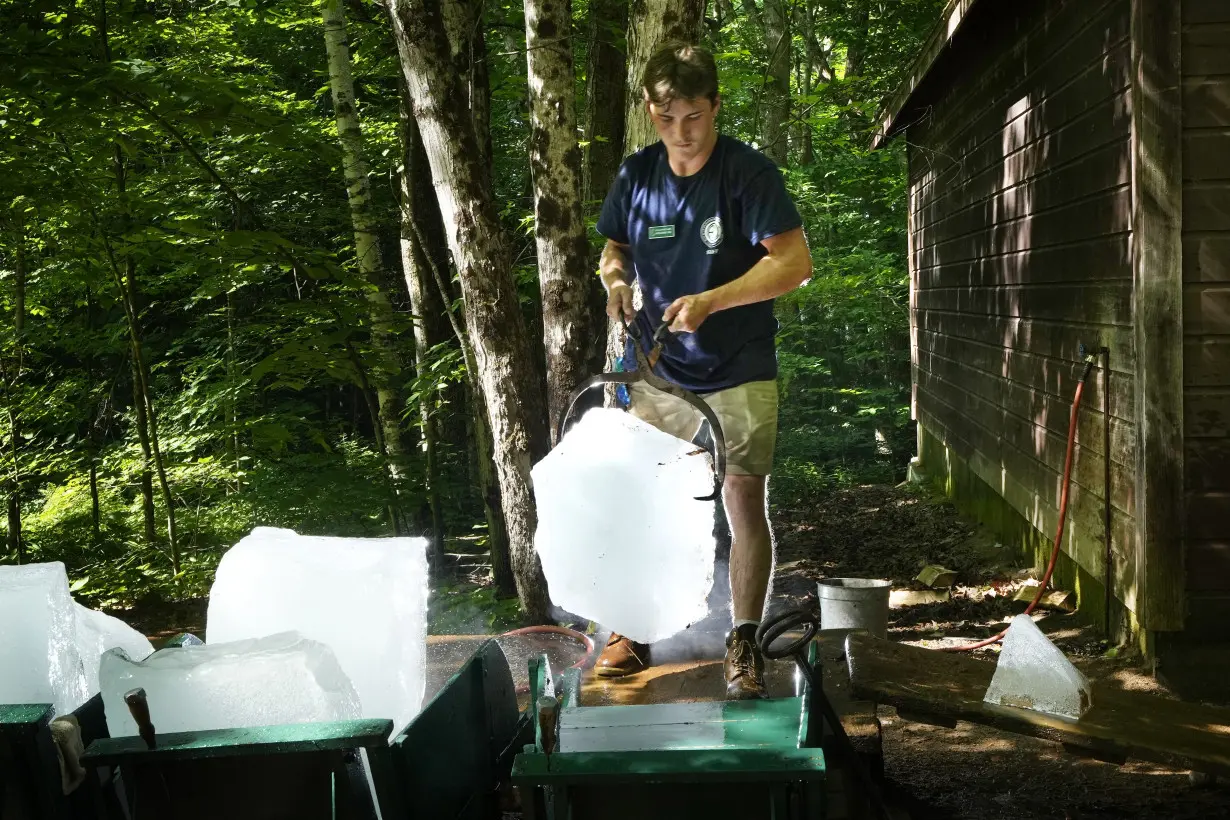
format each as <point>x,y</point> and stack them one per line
<point>644,372</point>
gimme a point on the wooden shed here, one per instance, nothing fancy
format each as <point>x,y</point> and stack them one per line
<point>1069,190</point>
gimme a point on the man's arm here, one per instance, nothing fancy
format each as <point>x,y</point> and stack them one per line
<point>616,272</point>
<point>786,266</point>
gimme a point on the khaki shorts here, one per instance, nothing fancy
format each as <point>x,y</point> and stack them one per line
<point>747,413</point>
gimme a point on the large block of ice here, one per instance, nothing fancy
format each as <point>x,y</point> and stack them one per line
<point>1032,673</point>
<point>97,632</point>
<point>365,598</point>
<point>39,659</point>
<point>622,539</point>
<point>282,678</point>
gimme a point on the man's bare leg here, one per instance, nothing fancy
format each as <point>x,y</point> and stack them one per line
<point>751,565</point>
<point>751,548</point>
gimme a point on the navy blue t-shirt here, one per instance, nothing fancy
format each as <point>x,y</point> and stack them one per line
<point>695,233</point>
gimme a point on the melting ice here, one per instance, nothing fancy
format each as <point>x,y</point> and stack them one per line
<point>622,539</point>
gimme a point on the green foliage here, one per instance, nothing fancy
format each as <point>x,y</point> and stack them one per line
<point>843,349</point>
<point>182,157</point>
<point>470,609</point>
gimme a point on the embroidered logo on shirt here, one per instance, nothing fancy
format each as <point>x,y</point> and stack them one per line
<point>711,232</point>
<point>662,232</point>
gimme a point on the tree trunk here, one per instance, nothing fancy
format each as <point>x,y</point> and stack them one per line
<point>511,378</point>
<point>416,206</point>
<point>653,22</point>
<point>856,49</point>
<point>17,543</point>
<point>463,24</point>
<point>568,289</point>
<point>92,431</point>
<point>606,93</point>
<point>807,15</point>
<point>149,528</point>
<point>95,506</point>
<point>776,102</point>
<point>145,398</point>
<point>147,421</point>
<point>489,486</point>
<point>366,243</point>
<point>605,111</point>
<point>232,401</point>
<point>478,441</point>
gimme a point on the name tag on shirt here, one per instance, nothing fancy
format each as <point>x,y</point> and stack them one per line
<point>662,232</point>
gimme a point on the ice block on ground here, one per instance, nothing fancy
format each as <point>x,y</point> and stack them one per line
<point>97,632</point>
<point>622,539</point>
<point>1032,673</point>
<point>365,598</point>
<point>39,659</point>
<point>282,678</point>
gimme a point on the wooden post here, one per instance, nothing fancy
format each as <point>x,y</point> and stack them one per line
<point>1157,270</point>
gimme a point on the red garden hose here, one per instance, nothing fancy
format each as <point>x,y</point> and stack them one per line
<point>584,639</point>
<point>1063,512</point>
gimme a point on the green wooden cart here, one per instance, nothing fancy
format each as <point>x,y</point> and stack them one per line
<point>30,783</point>
<point>747,759</point>
<point>461,757</point>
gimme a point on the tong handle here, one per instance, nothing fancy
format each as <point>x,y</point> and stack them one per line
<point>659,333</point>
<point>138,707</point>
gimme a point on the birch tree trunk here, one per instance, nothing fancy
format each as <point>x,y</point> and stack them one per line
<point>776,102</point>
<point>511,379</point>
<point>366,241</point>
<point>463,23</point>
<point>568,289</point>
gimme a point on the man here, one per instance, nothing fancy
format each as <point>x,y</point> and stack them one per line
<point>704,223</point>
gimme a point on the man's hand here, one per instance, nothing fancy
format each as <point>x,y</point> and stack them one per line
<point>687,313</point>
<point>614,269</point>
<point>619,300</point>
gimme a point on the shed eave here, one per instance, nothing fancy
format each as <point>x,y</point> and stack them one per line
<point>889,117</point>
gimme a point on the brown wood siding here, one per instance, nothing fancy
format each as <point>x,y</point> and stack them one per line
<point>1206,303</point>
<point>1020,246</point>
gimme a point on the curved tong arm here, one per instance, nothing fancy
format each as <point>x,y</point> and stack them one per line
<point>644,372</point>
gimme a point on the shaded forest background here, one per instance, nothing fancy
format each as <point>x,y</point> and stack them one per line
<point>190,348</point>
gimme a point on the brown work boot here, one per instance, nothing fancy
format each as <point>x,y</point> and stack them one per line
<point>622,656</point>
<point>744,665</point>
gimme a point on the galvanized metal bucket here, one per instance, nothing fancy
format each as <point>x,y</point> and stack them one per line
<point>854,603</point>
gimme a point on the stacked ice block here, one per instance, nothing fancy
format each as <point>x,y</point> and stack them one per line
<point>39,658</point>
<point>98,632</point>
<point>283,678</point>
<point>49,644</point>
<point>364,598</point>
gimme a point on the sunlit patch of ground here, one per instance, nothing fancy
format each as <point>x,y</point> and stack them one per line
<point>973,772</point>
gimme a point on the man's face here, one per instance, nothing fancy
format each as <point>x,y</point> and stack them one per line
<point>686,126</point>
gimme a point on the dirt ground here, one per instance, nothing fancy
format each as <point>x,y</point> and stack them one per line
<point>971,771</point>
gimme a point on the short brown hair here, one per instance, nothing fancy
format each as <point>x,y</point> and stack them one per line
<point>677,69</point>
